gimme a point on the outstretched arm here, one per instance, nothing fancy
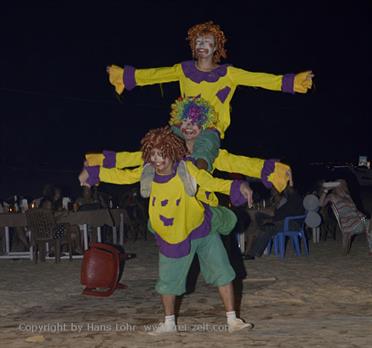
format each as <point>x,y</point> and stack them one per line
<point>112,159</point>
<point>93,175</point>
<point>289,83</point>
<point>129,77</point>
<point>271,172</point>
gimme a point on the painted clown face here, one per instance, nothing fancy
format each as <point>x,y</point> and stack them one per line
<point>162,165</point>
<point>205,46</point>
<point>189,129</point>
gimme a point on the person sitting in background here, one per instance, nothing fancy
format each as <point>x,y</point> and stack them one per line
<point>88,200</point>
<point>289,203</point>
<point>52,200</point>
<point>352,221</point>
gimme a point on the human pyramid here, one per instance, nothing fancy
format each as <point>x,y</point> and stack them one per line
<point>175,163</point>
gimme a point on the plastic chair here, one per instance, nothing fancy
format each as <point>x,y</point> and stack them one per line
<point>295,235</point>
<point>42,225</point>
<point>102,268</point>
<point>346,237</point>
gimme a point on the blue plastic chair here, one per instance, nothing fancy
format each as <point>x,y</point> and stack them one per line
<point>295,235</point>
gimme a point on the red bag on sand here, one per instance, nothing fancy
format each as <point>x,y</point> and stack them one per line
<point>101,269</point>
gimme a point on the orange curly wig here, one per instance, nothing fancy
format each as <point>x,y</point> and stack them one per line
<point>166,141</point>
<point>208,28</point>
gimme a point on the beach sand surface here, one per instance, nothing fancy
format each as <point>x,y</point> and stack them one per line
<point>320,300</point>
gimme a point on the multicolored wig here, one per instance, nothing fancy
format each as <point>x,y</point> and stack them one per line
<point>208,28</point>
<point>170,145</point>
<point>200,111</point>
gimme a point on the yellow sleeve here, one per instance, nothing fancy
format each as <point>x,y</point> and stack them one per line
<point>152,76</point>
<point>94,159</point>
<point>144,77</point>
<point>127,159</point>
<point>123,159</point>
<point>255,79</point>
<point>252,167</point>
<point>208,182</point>
<point>228,162</point>
<point>120,176</point>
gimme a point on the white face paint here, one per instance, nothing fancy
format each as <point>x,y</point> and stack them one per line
<point>205,46</point>
<point>162,165</point>
<point>189,129</point>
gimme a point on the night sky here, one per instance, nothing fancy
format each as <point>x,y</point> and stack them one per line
<point>56,102</point>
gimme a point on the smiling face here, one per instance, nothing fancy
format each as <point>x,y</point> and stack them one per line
<point>189,129</point>
<point>205,46</point>
<point>163,166</point>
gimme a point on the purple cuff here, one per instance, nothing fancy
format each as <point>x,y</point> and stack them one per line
<point>267,169</point>
<point>236,196</point>
<point>93,172</point>
<point>110,159</point>
<point>288,83</point>
<point>129,78</point>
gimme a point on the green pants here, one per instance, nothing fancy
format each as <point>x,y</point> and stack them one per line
<point>214,262</point>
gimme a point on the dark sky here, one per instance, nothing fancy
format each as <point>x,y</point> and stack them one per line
<point>56,102</point>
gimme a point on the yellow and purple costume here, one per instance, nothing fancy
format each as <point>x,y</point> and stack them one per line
<point>269,171</point>
<point>175,217</point>
<point>216,86</point>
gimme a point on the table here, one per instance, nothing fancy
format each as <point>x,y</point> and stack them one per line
<point>95,218</point>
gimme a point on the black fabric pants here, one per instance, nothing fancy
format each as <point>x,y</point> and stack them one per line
<point>266,232</point>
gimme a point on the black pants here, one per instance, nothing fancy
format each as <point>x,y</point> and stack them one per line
<point>266,232</point>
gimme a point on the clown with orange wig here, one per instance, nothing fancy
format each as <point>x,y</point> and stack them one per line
<point>205,77</point>
<point>183,226</point>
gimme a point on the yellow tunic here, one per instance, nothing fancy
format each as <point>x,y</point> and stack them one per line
<point>217,86</point>
<point>173,214</point>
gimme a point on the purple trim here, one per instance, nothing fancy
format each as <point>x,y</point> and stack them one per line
<point>93,172</point>
<point>236,196</point>
<point>178,201</point>
<point>288,83</point>
<point>190,159</point>
<point>166,221</point>
<point>164,202</point>
<point>223,93</point>
<point>161,179</point>
<point>110,159</point>
<point>207,194</point>
<point>267,169</point>
<point>196,75</point>
<point>183,248</point>
<point>129,77</point>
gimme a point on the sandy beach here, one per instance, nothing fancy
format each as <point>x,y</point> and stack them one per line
<point>320,300</point>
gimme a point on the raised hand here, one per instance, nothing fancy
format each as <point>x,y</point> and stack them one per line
<point>83,178</point>
<point>247,192</point>
<point>116,77</point>
<point>303,81</point>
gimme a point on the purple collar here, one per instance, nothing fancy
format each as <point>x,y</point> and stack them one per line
<point>193,73</point>
<point>161,179</point>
